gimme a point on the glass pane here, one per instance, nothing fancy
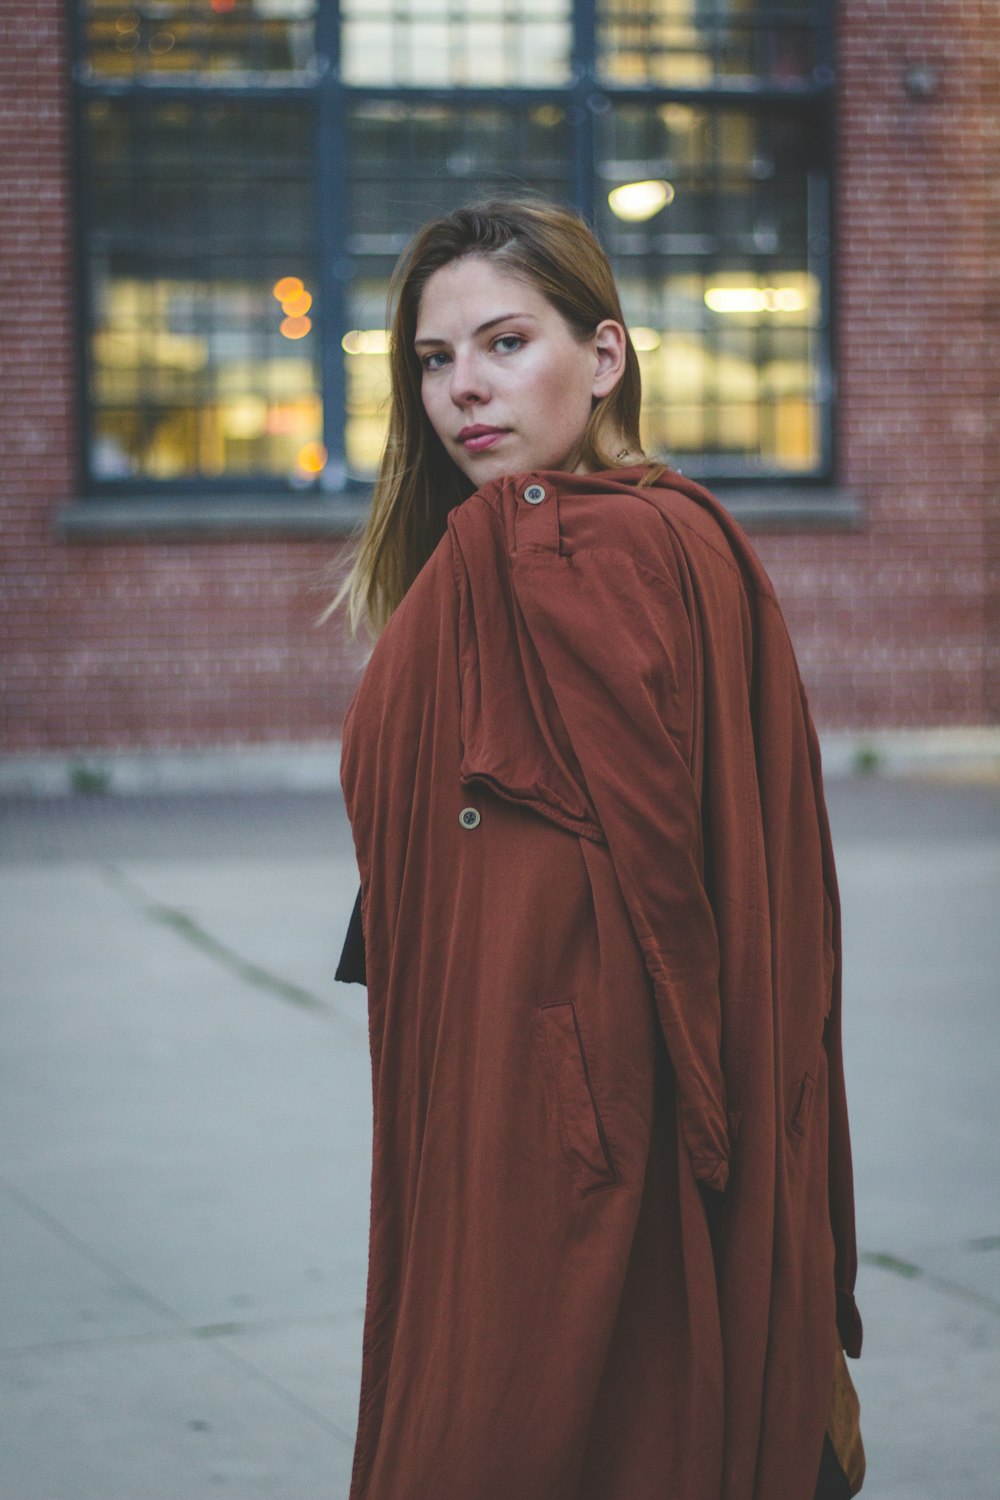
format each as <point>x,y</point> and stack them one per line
<point>408,163</point>
<point>456,42</point>
<point>721,270</point>
<point>203,289</point>
<point>697,43</point>
<point>364,348</point>
<point>233,37</point>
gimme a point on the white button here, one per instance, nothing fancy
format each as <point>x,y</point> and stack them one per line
<point>534,494</point>
<point>469,817</point>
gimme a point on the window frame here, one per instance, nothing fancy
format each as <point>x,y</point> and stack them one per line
<point>586,95</point>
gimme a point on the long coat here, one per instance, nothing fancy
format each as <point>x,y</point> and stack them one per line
<point>612,1228</point>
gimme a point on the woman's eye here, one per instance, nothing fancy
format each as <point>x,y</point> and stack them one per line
<point>508,343</point>
<point>434,361</point>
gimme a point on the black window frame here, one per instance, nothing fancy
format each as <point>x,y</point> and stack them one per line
<point>586,95</point>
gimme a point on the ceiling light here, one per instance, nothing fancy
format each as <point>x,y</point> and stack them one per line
<point>644,340</point>
<point>755,299</point>
<point>365,341</point>
<point>637,201</point>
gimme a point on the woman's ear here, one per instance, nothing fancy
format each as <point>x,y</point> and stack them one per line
<point>609,347</point>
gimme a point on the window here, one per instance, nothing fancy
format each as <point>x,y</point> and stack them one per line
<point>251,169</point>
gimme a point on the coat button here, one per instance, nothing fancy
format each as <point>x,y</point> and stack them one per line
<point>469,817</point>
<point>534,494</point>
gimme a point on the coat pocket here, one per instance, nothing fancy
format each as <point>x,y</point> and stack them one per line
<point>803,1105</point>
<point>581,1130</point>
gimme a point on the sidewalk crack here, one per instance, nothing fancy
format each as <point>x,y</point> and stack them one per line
<point>895,1264</point>
<point>170,1314</point>
<point>190,931</point>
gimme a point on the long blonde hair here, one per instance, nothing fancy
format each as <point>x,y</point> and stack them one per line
<point>418,484</point>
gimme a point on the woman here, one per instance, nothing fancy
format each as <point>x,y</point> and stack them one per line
<point>612,1245</point>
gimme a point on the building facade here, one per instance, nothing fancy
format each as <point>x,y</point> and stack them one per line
<point>201,206</point>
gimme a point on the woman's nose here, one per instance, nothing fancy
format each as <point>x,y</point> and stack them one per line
<point>468,382</point>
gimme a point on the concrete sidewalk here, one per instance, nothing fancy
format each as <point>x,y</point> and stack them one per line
<point>185,1124</point>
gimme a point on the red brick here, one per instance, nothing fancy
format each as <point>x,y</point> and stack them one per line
<point>191,644</point>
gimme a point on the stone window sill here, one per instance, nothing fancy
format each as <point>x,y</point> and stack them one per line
<point>202,518</point>
<point>768,508</point>
<point>793,507</point>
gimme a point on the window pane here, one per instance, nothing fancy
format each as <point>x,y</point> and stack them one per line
<point>696,43</point>
<point>410,162</point>
<point>198,36</point>
<point>203,289</point>
<point>470,42</point>
<point>721,281</point>
<point>737,400</point>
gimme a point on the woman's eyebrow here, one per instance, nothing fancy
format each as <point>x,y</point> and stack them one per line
<point>483,327</point>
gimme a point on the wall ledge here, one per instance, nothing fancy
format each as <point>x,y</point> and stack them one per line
<point>779,507</point>
<point>771,507</point>
<point>199,518</point>
<point>969,753</point>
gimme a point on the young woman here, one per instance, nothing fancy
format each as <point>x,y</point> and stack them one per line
<point>612,1243</point>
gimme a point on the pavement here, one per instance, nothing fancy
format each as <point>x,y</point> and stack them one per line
<point>185,1128</point>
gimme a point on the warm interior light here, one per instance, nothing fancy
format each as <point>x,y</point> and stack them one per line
<point>130,349</point>
<point>547,114</point>
<point>637,201</point>
<point>735,299</point>
<point>288,286</point>
<point>755,299</point>
<point>366,341</point>
<point>644,340</point>
<point>244,418</point>
<point>283,421</point>
<point>679,117</point>
<point>311,458</point>
<point>297,305</point>
<point>787,299</point>
<point>295,328</point>
<point>221,6</point>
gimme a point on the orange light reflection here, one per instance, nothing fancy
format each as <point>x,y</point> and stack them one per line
<point>312,458</point>
<point>288,286</point>
<point>297,305</point>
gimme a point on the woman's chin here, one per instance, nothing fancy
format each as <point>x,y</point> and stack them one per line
<point>490,466</point>
<point>481,468</point>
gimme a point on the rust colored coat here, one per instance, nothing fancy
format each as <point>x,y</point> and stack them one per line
<point>612,1219</point>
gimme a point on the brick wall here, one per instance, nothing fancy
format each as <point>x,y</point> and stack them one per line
<point>191,644</point>
<point>891,624</point>
<point>124,644</point>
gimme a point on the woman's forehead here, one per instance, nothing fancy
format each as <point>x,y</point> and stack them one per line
<point>473,285</point>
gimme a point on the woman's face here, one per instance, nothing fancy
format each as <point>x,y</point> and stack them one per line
<point>506,384</point>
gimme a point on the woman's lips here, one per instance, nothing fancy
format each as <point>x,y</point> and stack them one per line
<point>478,439</point>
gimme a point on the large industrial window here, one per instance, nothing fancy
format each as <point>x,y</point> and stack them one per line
<point>250,170</point>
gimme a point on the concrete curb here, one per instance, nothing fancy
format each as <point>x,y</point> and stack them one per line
<point>242,768</point>
<point>956,754</point>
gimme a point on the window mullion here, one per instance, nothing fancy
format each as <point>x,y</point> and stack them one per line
<point>582,113</point>
<point>334,262</point>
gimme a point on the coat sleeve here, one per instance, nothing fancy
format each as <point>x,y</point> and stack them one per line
<point>615,643</point>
